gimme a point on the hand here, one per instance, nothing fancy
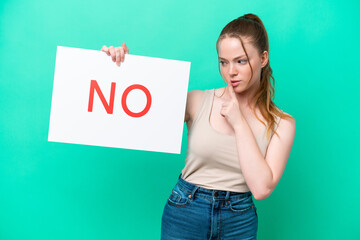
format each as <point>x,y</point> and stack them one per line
<point>117,53</point>
<point>230,109</point>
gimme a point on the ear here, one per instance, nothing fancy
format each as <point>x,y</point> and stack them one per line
<point>264,58</point>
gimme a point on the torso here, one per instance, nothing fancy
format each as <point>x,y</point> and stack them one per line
<point>219,123</point>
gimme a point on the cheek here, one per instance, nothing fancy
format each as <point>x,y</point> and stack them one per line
<point>246,71</point>
<point>224,72</point>
<point>256,70</point>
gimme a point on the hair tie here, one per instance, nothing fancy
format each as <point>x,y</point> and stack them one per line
<point>250,19</point>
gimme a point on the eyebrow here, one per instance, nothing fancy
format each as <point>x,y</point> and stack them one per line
<point>234,58</point>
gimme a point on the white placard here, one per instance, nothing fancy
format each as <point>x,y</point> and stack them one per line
<point>143,103</point>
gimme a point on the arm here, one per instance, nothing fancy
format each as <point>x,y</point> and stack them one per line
<point>260,173</point>
<point>193,102</point>
<point>263,174</point>
<point>187,114</point>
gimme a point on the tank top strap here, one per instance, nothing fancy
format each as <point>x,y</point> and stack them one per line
<point>202,111</point>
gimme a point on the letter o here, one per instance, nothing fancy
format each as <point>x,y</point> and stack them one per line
<point>148,100</point>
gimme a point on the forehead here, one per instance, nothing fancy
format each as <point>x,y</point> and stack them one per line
<point>231,46</point>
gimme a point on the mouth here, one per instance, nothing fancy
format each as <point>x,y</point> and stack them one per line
<point>234,83</point>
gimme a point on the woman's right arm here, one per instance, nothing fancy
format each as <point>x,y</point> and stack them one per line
<point>187,114</point>
<point>193,97</point>
<point>193,102</point>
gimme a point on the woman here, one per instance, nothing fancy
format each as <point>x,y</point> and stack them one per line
<point>239,141</point>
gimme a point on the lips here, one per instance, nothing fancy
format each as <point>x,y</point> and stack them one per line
<point>234,83</point>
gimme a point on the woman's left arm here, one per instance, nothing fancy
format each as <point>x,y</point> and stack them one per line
<point>263,174</point>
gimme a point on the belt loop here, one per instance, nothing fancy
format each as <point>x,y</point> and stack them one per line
<point>192,196</point>
<point>227,196</point>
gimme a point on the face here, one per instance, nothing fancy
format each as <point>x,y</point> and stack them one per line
<point>234,65</point>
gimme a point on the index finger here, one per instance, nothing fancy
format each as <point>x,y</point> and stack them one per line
<point>231,91</point>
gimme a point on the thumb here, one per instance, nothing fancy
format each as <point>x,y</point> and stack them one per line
<point>126,49</point>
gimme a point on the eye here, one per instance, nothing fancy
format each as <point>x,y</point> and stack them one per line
<point>244,61</point>
<point>222,63</point>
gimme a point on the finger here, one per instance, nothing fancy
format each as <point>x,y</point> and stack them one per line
<point>122,54</point>
<point>112,52</point>
<point>126,49</point>
<point>118,56</point>
<point>222,112</point>
<point>223,108</point>
<point>231,91</point>
<point>105,49</point>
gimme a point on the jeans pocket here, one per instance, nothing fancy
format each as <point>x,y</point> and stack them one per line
<point>178,197</point>
<point>241,205</point>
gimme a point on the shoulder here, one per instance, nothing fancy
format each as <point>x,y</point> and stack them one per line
<point>287,119</point>
<point>193,102</point>
<point>286,126</point>
<point>195,94</point>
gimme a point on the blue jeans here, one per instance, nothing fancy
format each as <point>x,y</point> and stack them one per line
<point>193,212</point>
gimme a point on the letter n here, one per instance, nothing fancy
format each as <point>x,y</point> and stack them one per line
<point>108,107</point>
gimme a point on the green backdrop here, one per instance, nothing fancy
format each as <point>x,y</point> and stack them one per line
<point>66,191</point>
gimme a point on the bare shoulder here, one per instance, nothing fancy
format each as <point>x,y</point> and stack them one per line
<point>287,120</point>
<point>287,126</point>
<point>194,99</point>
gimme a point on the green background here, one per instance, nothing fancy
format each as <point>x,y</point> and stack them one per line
<point>66,191</point>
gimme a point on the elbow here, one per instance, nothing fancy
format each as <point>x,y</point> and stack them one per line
<point>263,189</point>
<point>262,195</point>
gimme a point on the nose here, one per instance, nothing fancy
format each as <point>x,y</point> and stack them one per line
<point>232,69</point>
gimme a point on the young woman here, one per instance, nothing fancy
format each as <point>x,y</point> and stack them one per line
<point>239,141</point>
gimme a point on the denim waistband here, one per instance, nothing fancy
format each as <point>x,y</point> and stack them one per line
<point>191,188</point>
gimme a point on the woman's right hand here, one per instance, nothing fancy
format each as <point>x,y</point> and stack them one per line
<point>117,53</point>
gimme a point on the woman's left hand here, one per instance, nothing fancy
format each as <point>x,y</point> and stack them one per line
<point>231,110</point>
